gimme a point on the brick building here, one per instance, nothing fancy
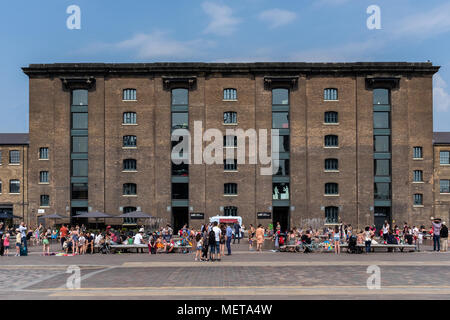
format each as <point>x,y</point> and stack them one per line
<point>356,140</point>
<point>13,176</point>
<point>441,142</point>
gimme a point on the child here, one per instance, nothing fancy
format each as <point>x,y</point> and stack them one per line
<point>46,244</point>
<point>6,244</point>
<point>199,247</point>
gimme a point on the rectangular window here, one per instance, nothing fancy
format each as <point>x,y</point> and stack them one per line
<point>230,165</point>
<point>79,97</point>
<point>280,191</point>
<point>280,120</point>
<point>444,186</point>
<point>381,97</point>
<point>43,153</point>
<point>43,177</point>
<point>230,94</point>
<point>180,120</point>
<point>180,191</point>
<point>230,211</point>
<point>129,94</point>
<point>382,167</point>
<point>79,120</point>
<point>129,141</point>
<point>14,186</point>
<point>331,164</point>
<point>330,94</point>
<point>229,117</point>
<point>14,157</point>
<point>418,199</point>
<point>79,144</point>
<point>417,153</point>
<point>381,120</point>
<point>230,141</point>
<point>283,167</point>
<point>79,191</point>
<point>444,157</point>
<point>181,169</point>
<point>79,168</point>
<point>332,214</point>
<point>382,191</point>
<point>45,200</point>
<point>230,188</point>
<point>381,144</point>
<point>129,118</point>
<point>283,144</point>
<point>418,176</point>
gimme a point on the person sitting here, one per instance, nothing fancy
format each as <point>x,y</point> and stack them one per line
<point>152,244</point>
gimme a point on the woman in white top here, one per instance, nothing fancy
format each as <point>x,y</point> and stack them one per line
<point>368,238</point>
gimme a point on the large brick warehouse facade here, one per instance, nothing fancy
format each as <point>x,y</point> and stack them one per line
<point>356,141</point>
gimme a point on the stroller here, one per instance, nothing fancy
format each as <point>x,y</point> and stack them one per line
<point>105,248</point>
<point>352,247</point>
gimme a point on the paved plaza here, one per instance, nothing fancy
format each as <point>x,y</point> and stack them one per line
<point>243,275</point>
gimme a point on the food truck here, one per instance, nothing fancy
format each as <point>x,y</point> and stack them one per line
<point>226,219</point>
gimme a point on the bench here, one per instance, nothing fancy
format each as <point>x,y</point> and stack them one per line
<point>115,247</point>
<point>384,246</point>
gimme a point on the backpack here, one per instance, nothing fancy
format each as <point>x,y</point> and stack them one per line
<point>212,237</point>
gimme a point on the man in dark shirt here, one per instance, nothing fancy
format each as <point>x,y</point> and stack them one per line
<point>444,237</point>
<point>90,242</point>
<point>237,233</point>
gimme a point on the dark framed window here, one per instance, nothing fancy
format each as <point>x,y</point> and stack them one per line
<point>180,97</point>
<point>381,120</point>
<point>382,191</point>
<point>129,165</point>
<point>180,191</point>
<point>181,169</point>
<point>129,189</point>
<point>418,199</point>
<point>331,117</point>
<point>331,141</point>
<point>444,186</point>
<point>79,191</point>
<point>129,118</point>
<point>43,177</point>
<point>79,120</point>
<point>280,191</point>
<point>280,120</point>
<point>283,143</point>
<point>45,200</point>
<point>230,188</point>
<point>129,209</point>
<point>418,176</point>
<point>80,97</point>
<point>14,186</point>
<point>129,141</point>
<point>230,141</point>
<point>331,188</point>
<point>80,144</point>
<point>381,96</point>
<point>129,220</point>
<point>180,120</point>
<point>0,186</point>
<point>331,214</point>
<point>382,167</point>
<point>230,94</point>
<point>280,96</point>
<point>444,157</point>
<point>80,168</point>
<point>283,167</point>
<point>230,165</point>
<point>381,144</point>
<point>230,211</point>
<point>43,153</point>
<point>417,153</point>
<point>129,94</point>
<point>330,94</point>
<point>331,164</point>
<point>229,117</point>
<point>14,156</point>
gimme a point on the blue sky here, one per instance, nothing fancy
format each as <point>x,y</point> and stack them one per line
<point>219,31</point>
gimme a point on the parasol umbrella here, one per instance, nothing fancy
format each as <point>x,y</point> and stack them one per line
<point>95,215</point>
<point>136,215</point>
<point>6,215</point>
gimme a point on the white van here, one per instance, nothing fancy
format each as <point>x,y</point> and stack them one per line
<point>226,219</point>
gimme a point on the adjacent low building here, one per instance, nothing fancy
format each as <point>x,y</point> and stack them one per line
<point>356,141</point>
<point>441,185</point>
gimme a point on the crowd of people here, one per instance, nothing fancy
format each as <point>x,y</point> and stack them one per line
<point>210,241</point>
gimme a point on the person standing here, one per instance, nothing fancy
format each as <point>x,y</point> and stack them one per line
<point>444,237</point>
<point>218,236</point>
<point>63,234</point>
<point>237,233</point>
<point>228,237</point>
<point>23,231</point>
<point>437,225</point>
<point>337,239</point>
<point>251,236</point>
<point>368,238</point>
<point>18,242</point>
<point>205,243</point>
<point>385,230</point>
<point>259,238</point>
<point>46,244</point>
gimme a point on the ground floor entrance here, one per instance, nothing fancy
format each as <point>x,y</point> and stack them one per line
<point>382,214</point>
<point>281,215</point>
<point>180,217</point>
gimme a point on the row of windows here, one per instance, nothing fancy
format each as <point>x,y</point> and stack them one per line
<point>14,157</point>
<point>228,94</point>
<point>14,186</point>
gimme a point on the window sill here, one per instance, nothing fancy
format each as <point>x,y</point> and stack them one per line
<point>43,159</point>
<point>44,183</point>
<point>418,206</point>
<point>44,207</point>
<point>230,147</point>
<point>126,148</point>
<point>230,100</point>
<point>331,195</point>
<point>331,171</point>
<point>230,171</point>
<point>330,100</point>
<point>129,124</point>
<point>331,124</point>
<point>331,147</point>
<point>444,193</point>
<point>418,182</point>
<point>417,158</point>
<point>129,100</point>
<point>14,164</point>
<point>129,171</point>
<point>230,124</point>
<point>444,164</point>
<point>129,195</point>
<point>14,193</point>
<point>230,195</point>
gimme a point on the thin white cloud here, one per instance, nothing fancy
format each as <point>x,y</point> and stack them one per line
<point>441,97</point>
<point>222,22</point>
<point>277,17</point>
<point>432,22</point>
